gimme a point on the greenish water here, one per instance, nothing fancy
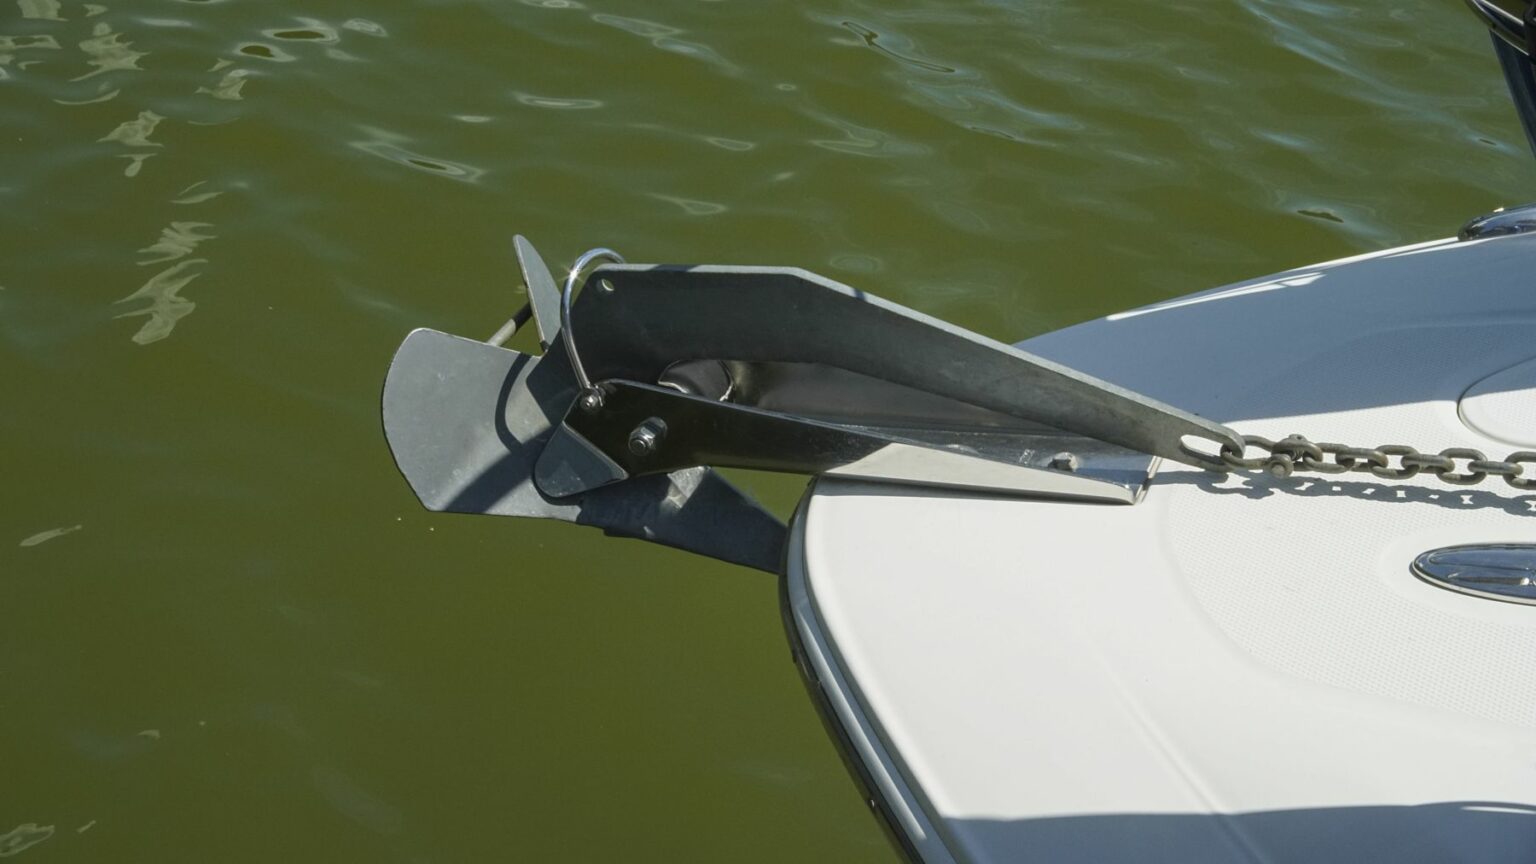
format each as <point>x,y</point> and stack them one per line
<point>230,634</point>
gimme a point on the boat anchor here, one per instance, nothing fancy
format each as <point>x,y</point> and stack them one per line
<point>654,375</point>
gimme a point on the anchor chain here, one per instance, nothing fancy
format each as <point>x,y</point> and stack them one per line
<point>1387,461</point>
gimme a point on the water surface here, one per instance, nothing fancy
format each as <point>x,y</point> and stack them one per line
<point>230,634</point>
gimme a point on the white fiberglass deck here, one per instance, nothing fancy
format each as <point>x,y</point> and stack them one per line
<point>1235,669</point>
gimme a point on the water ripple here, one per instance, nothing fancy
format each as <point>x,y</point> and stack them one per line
<point>692,206</point>
<point>872,39</point>
<point>980,108</point>
<point>663,37</point>
<point>187,196</point>
<point>263,51</point>
<point>40,10</point>
<point>386,145</point>
<point>160,300</point>
<point>354,802</point>
<point>9,45</point>
<point>729,143</point>
<point>23,837</point>
<point>309,30</point>
<point>136,132</point>
<point>863,141</point>
<point>365,27</point>
<point>555,102</point>
<point>107,53</point>
<point>135,163</point>
<point>857,262</point>
<point>229,87</point>
<point>104,96</point>
<point>44,537</point>
<point>177,240</point>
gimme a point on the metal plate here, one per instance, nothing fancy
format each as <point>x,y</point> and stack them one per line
<point>653,316</point>
<point>466,422</point>
<point>695,430</point>
<point>543,293</point>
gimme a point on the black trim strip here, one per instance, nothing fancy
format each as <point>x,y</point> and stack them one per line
<point>1518,74</point>
<point>1506,26</point>
<point>829,721</point>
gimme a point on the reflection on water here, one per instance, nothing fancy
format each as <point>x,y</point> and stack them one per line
<point>45,536</point>
<point>136,132</point>
<point>177,240</point>
<point>691,206</point>
<point>135,162</point>
<point>23,837</point>
<point>364,26</point>
<point>554,102</point>
<point>43,10</point>
<point>729,143</point>
<point>159,300</point>
<point>9,45</point>
<point>187,196</point>
<point>231,84</point>
<point>106,51</point>
<point>105,96</point>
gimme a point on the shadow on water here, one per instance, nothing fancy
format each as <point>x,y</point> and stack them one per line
<point>1453,831</point>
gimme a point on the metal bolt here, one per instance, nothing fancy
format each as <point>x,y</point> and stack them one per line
<point>591,401</point>
<point>646,437</point>
<point>1065,461</point>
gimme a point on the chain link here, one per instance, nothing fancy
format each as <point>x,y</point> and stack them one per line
<point>1461,466</point>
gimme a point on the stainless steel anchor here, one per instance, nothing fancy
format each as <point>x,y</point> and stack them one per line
<point>654,373</point>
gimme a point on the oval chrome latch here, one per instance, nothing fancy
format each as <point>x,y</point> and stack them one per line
<point>1497,571</point>
<point>1500,223</point>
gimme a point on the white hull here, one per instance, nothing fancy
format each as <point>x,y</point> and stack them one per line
<point>1234,669</point>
